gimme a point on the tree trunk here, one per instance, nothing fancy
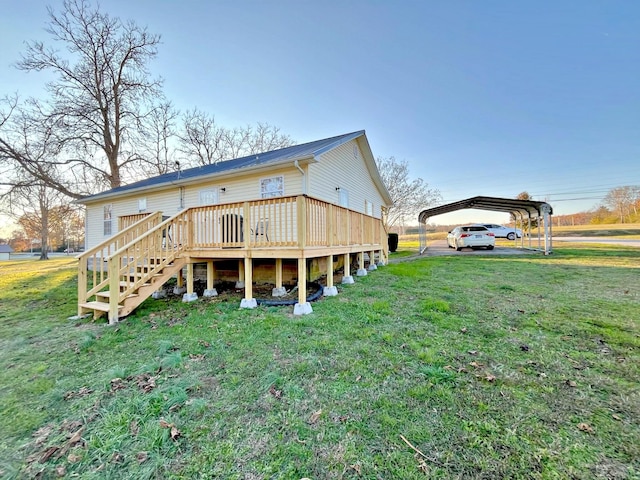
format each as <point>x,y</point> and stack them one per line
<point>44,232</point>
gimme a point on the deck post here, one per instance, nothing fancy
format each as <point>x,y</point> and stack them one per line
<point>362,272</point>
<point>302,307</point>
<point>240,283</point>
<point>248,301</point>
<point>82,284</point>
<point>179,288</point>
<point>301,202</point>
<point>190,296</point>
<point>246,227</point>
<point>330,290</point>
<point>114,288</point>
<point>347,278</point>
<point>279,290</point>
<point>211,277</point>
<point>372,261</point>
<point>330,225</point>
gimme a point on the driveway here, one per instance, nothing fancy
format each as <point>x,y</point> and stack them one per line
<point>438,248</point>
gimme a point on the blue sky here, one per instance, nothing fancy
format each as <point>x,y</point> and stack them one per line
<point>479,97</point>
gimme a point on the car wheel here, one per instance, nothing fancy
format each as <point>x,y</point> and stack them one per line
<point>458,249</point>
<point>511,236</point>
<point>490,247</point>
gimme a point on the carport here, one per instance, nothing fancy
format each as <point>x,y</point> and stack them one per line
<point>526,212</point>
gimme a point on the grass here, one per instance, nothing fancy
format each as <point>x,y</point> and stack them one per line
<point>491,367</point>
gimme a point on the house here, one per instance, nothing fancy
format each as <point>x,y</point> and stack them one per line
<point>294,213</point>
<point>5,251</point>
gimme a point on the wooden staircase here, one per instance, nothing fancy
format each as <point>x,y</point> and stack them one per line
<point>134,263</point>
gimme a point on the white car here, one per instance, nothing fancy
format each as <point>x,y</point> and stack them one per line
<point>500,231</point>
<point>471,236</point>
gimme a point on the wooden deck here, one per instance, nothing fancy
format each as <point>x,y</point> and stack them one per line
<point>150,249</point>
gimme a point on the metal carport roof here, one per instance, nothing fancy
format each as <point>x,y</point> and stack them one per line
<point>526,210</point>
<point>532,208</point>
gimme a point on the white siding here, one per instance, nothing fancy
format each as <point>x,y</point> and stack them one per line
<point>167,201</point>
<point>344,168</point>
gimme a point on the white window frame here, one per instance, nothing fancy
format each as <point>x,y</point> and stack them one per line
<point>107,217</point>
<point>368,208</point>
<point>343,199</point>
<point>142,205</point>
<point>272,187</point>
<point>208,196</point>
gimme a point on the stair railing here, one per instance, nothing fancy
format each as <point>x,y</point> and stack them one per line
<point>137,262</point>
<point>97,256</point>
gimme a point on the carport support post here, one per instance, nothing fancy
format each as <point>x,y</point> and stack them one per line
<point>330,290</point>
<point>546,221</point>
<point>248,301</point>
<point>302,307</point>
<point>347,278</point>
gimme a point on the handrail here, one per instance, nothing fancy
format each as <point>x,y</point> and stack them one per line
<point>100,253</point>
<point>135,263</point>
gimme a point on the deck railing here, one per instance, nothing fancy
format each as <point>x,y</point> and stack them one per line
<point>150,244</point>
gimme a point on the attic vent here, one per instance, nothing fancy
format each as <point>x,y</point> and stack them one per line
<point>355,151</point>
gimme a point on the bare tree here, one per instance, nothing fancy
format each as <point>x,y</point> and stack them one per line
<point>158,147</point>
<point>31,204</point>
<point>204,142</point>
<point>409,196</point>
<point>622,201</point>
<point>101,94</point>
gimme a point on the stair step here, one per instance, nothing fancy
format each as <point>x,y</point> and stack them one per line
<point>126,284</point>
<point>103,307</point>
<point>107,294</point>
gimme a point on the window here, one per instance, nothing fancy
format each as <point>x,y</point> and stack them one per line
<point>272,187</point>
<point>107,219</point>
<point>344,197</point>
<point>368,207</point>
<point>142,204</point>
<point>209,196</point>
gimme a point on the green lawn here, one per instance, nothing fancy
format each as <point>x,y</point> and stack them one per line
<point>451,367</point>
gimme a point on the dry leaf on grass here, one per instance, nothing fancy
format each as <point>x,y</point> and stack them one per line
<point>175,433</point>
<point>276,393</point>
<point>314,417</point>
<point>48,453</point>
<point>142,457</point>
<point>74,458</point>
<point>585,427</point>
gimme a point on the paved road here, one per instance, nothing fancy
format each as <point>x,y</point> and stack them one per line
<point>606,240</point>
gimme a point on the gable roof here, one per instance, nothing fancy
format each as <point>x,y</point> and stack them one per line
<point>4,248</point>
<point>309,150</point>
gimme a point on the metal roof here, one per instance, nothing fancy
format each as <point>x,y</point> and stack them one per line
<point>296,152</point>
<point>510,205</point>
